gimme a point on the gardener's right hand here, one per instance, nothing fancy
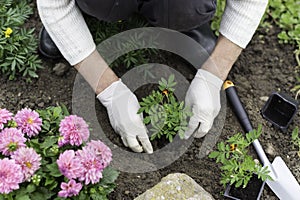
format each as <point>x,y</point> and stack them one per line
<point>122,106</point>
<point>203,97</point>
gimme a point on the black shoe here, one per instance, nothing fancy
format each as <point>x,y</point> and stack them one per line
<point>204,36</point>
<point>47,47</point>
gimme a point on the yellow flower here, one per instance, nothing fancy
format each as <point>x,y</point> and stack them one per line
<point>165,92</point>
<point>233,147</point>
<point>7,32</point>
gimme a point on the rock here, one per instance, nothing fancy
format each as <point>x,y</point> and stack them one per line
<point>61,68</point>
<point>264,98</point>
<point>270,149</point>
<point>176,186</point>
<point>126,192</point>
<point>41,105</point>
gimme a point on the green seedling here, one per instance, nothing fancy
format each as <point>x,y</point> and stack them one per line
<point>164,112</point>
<point>296,139</point>
<point>237,165</point>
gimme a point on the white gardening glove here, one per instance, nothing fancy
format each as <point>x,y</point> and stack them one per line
<point>122,106</point>
<point>203,97</point>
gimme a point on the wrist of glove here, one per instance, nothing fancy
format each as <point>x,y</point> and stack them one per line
<point>203,97</point>
<point>122,106</point>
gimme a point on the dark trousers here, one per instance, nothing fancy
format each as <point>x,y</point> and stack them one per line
<point>188,16</point>
<point>181,15</point>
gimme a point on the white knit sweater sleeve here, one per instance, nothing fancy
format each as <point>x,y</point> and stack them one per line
<point>66,26</point>
<point>240,20</point>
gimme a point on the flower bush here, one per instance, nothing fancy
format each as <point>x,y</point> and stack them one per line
<point>45,154</point>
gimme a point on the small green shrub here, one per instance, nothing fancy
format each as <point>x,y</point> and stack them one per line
<point>237,165</point>
<point>18,46</point>
<point>286,14</point>
<point>166,115</point>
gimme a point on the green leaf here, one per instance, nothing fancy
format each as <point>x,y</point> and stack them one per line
<point>164,82</point>
<point>295,133</point>
<point>110,175</point>
<point>147,120</point>
<point>57,112</point>
<point>214,154</point>
<point>54,171</point>
<point>49,181</point>
<point>222,146</point>
<point>239,183</point>
<point>46,125</point>
<point>23,197</point>
<point>64,109</point>
<point>82,196</point>
<point>49,142</point>
<point>171,78</point>
<point>30,188</point>
<point>42,193</point>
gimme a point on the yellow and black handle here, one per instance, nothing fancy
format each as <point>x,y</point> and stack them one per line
<point>237,106</point>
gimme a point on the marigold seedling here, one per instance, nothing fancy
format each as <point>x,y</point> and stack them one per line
<point>164,112</point>
<point>237,165</point>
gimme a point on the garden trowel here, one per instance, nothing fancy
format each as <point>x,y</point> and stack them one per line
<point>284,184</point>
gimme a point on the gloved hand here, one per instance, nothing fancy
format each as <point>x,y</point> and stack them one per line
<point>122,107</point>
<point>203,97</point>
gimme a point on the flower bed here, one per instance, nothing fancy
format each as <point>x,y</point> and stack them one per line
<point>45,154</point>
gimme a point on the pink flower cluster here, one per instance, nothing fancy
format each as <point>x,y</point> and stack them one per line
<point>73,130</point>
<point>20,162</point>
<point>28,123</point>
<point>85,165</point>
<point>19,168</point>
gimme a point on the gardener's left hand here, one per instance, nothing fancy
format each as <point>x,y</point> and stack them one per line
<point>203,97</point>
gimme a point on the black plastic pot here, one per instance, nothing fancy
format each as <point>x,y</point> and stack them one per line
<point>280,109</point>
<point>252,191</point>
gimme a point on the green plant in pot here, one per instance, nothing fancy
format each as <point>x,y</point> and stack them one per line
<point>164,112</point>
<point>239,168</point>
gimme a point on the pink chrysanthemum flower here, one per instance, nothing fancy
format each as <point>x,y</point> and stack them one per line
<point>69,189</point>
<point>11,139</point>
<point>74,130</point>
<point>5,116</point>
<point>101,150</point>
<point>92,166</point>
<point>29,161</point>
<point>28,121</point>
<point>69,165</point>
<point>10,176</point>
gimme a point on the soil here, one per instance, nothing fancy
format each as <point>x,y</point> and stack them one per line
<point>263,67</point>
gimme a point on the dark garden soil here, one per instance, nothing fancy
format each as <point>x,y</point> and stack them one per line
<point>264,67</point>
